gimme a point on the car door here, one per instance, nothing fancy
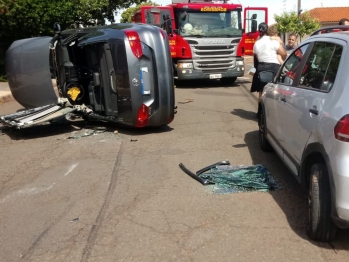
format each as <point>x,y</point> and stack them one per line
<point>28,72</point>
<point>275,95</point>
<point>305,102</point>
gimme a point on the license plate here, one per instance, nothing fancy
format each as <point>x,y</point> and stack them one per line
<point>215,76</point>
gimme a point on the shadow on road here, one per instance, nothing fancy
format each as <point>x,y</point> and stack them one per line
<point>292,199</point>
<point>77,129</point>
<point>208,83</point>
<point>34,132</point>
<point>248,115</point>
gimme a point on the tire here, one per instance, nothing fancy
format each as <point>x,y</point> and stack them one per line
<point>230,80</point>
<point>320,226</point>
<point>263,142</point>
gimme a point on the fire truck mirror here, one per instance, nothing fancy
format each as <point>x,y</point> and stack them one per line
<point>168,27</point>
<point>183,15</point>
<point>254,26</point>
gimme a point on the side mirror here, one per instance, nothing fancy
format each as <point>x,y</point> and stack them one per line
<point>183,16</point>
<point>168,27</point>
<point>254,26</point>
<point>57,28</point>
<point>266,76</point>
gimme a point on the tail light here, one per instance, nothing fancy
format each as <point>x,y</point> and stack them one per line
<point>341,130</point>
<point>170,119</point>
<point>162,34</point>
<point>143,115</point>
<point>135,42</point>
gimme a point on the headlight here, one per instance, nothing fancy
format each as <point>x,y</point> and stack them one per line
<point>185,65</point>
<point>239,62</point>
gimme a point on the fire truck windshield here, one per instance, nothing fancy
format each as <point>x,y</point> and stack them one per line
<point>191,22</point>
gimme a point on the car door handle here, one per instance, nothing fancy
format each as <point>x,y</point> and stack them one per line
<point>314,111</point>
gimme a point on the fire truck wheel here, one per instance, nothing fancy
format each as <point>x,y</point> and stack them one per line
<point>229,80</point>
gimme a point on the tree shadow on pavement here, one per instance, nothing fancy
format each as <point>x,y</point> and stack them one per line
<point>292,198</point>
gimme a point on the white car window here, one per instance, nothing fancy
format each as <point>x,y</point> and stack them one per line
<point>321,67</point>
<point>289,68</point>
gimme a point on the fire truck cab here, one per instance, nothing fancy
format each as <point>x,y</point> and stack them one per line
<point>208,39</point>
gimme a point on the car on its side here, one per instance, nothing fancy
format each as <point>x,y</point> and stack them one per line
<point>117,73</point>
<point>304,117</point>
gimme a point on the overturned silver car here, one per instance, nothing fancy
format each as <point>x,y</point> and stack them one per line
<point>117,73</point>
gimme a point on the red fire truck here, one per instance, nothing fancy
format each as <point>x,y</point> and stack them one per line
<point>208,39</point>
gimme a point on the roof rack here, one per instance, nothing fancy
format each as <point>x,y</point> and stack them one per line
<point>331,29</point>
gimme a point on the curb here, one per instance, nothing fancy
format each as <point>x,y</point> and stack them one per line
<point>6,98</point>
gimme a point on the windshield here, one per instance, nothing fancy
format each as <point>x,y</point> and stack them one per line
<point>192,22</point>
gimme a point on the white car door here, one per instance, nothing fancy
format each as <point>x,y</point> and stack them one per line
<point>274,99</point>
<point>304,103</point>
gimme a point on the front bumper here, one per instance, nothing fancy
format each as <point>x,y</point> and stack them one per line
<point>191,74</point>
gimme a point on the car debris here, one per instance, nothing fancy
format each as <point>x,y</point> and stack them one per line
<point>232,179</point>
<point>89,132</point>
<point>186,101</point>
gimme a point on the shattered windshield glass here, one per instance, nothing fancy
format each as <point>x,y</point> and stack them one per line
<point>209,24</point>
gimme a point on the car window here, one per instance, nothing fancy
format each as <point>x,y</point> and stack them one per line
<point>289,68</point>
<point>321,68</point>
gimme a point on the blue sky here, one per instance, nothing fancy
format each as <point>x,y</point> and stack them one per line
<point>277,6</point>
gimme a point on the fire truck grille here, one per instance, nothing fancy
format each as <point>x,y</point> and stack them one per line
<point>214,64</point>
<point>220,53</point>
<point>214,57</point>
<point>214,47</point>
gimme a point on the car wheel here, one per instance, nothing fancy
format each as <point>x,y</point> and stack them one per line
<point>321,226</point>
<point>263,142</point>
<point>230,80</point>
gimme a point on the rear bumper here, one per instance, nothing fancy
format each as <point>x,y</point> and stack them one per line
<point>342,201</point>
<point>340,176</point>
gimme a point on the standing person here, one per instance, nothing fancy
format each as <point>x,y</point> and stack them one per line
<point>292,43</point>
<point>274,35</point>
<point>266,50</point>
<point>344,21</point>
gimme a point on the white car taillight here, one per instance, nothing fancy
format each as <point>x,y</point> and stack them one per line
<point>341,129</point>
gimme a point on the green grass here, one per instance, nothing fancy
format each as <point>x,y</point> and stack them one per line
<point>3,78</point>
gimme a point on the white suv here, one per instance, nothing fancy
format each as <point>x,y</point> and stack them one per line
<point>304,117</point>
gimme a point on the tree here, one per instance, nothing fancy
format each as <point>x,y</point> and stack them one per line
<point>301,25</point>
<point>127,14</point>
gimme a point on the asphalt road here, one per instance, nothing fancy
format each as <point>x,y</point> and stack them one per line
<point>121,196</point>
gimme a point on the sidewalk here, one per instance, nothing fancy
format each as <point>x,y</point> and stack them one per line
<point>5,93</point>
